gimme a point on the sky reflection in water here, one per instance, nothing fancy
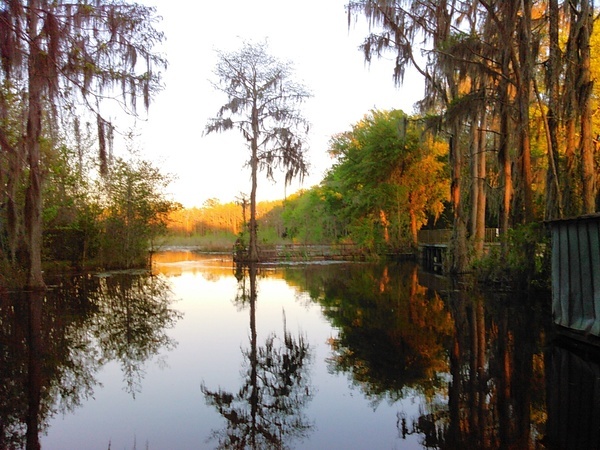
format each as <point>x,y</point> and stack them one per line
<point>170,410</point>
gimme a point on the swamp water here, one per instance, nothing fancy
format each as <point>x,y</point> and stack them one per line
<point>345,356</point>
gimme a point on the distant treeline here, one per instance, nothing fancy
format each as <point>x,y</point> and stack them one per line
<point>215,217</point>
<point>216,225</point>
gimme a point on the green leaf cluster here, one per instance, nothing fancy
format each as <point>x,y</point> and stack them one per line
<point>109,222</point>
<point>389,177</point>
<point>135,212</point>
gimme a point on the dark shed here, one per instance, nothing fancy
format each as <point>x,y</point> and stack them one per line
<point>576,273</point>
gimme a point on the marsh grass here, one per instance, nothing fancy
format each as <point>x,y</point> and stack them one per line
<point>214,242</point>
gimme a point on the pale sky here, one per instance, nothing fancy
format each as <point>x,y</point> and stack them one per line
<point>312,34</point>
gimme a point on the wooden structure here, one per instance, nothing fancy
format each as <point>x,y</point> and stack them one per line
<point>432,256</point>
<point>306,252</point>
<point>317,252</point>
<point>576,275</point>
<point>433,245</point>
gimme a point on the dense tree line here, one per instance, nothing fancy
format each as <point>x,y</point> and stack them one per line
<point>88,220</point>
<point>389,178</point>
<point>510,86</point>
<point>390,174</point>
<point>504,133</point>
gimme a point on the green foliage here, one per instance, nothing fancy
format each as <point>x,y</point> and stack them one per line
<point>58,57</point>
<point>135,212</point>
<point>268,235</point>
<point>69,217</point>
<point>309,217</point>
<point>389,176</point>
<point>110,222</point>
<point>367,232</point>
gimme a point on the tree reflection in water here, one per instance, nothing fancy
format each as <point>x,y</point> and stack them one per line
<point>53,343</point>
<point>134,313</point>
<point>475,361</point>
<point>267,411</point>
<point>496,396</point>
<point>393,332</point>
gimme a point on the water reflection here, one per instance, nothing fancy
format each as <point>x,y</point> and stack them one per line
<point>134,313</point>
<point>476,360</point>
<point>53,345</point>
<point>389,358</point>
<point>267,411</point>
<point>496,394</point>
<point>393,332</point>
<point>175,263</point>
<point>573,397</point>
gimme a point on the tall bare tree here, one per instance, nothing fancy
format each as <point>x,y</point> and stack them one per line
<point>263,104</point>
<point>65,52</point>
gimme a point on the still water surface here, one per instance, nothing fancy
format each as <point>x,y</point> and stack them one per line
<point>321,356</point>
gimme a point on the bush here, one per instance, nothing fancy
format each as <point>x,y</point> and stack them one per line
<point>521,259</point>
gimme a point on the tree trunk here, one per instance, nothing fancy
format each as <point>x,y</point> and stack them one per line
<point>478,161</point>
<point>33,202</point>
<point>253,244</point>
<point>414,229</point>
<point>524,101</point>
<point>573,194</point>
<point>584,92</point>
<point>571,198</point>
<point>459,230</point>
<point>554,201</point>
<point>504,158</point>
<point>385,224</point>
